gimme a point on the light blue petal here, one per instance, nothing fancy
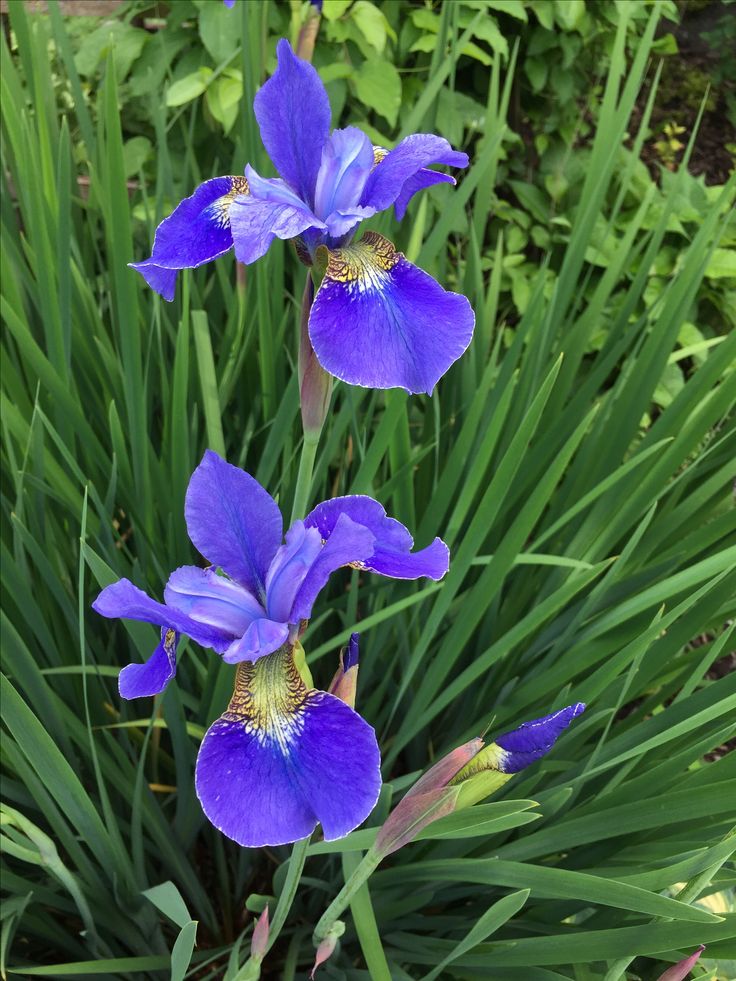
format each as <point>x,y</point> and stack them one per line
<point>289,568</point>
<point>262,637</point>
<point>347,160</point>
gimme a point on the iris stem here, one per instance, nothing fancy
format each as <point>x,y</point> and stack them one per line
<point>251,970</point>
<point>362,873</point>
<point>307,367</point>
<point>315,392</point>
<point>293,877</point>
<point>304,477</point>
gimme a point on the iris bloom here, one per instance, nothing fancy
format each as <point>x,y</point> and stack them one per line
<point>276,762</point>
<point>377,320</point>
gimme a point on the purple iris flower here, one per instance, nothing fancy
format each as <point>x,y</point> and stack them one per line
<point>274,764</point>
<point>377,320</point>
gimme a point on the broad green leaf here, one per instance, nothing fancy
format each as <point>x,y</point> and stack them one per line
<point>536,70</point>
<point>569,13</point>
<point>378,86</point>
<point>189,87</point>
<point>137,152</point>
<point>223,99</point>
<point>220,30</point>
<point>514,8</point>
<point>114,35</point>
<point>181,954</point>
<point>670,384</point>
<point>372,24</point>
<point>334,9</point>
<point>721,264</point>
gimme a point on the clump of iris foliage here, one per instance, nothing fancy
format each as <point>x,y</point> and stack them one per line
<point>578,461</point>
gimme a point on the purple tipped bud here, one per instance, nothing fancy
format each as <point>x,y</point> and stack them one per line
<point>496,763</point>
<point>534,739</point>
<point>351,654</point>
<point>345,682</point>
<point>259,940</point>
<point>679,971</point>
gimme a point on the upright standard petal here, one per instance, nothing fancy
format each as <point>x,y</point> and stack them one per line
<point>233,522</point>
<point>410,157</point>
<point>197,231</point>
<point>380,322</point>
<point>534,739</point>
<point>392,555</point>
<point>289,569</point>
<point>347,544</point>
<point>271,211</point>
<point>283,758</point>
<point>151,677</point>
<point>347,160</point>
<point>293,113</point>
<point>123,599</point>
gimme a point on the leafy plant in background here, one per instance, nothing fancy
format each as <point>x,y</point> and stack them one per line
<point>374,59</point>
<point>591,533</point>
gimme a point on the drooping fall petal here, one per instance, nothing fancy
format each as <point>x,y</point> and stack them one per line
<point>283,758</point>
<point>197,231</point>
<point>380,322</point>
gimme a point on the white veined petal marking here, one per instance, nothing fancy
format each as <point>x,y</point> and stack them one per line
<point>268,700</point>
<point>364,266</point>
<point>218,212</point>
<point>379,155</point>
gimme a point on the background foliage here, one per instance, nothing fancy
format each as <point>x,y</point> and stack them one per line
<point>578,460</point>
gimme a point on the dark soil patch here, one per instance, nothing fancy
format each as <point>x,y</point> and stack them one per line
<point>704,68</point>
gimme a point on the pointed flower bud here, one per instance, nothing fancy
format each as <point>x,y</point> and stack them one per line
<point>429,799</point>
<point>468,774</point>
<point>679,971</point>
<point>345,682</point>
<point>259,940</point>
<point>308,31</point>
<point>496,763</point>
<point>327,946</point>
